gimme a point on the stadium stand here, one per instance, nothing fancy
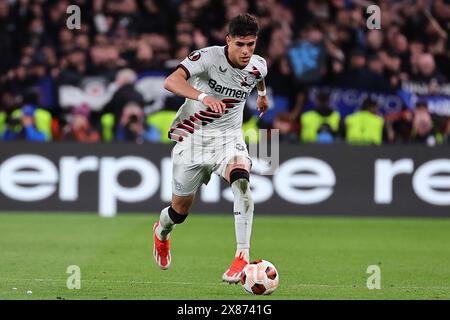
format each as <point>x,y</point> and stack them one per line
<point>125,48</point>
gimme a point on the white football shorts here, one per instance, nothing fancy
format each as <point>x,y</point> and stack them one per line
<point>193,164</point>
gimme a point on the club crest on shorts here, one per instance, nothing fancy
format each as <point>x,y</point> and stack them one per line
<point>194,56</point>
<point>240,147</point>
<point>178,186</point>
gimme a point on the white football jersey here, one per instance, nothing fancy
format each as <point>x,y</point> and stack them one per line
<point>210,71</point>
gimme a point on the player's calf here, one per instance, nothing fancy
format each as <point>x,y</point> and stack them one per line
<point>243,218</point>
<point>168,219</point>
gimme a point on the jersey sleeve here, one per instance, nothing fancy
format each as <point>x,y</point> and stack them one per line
<point>195,63</point>
<point>263,68</point>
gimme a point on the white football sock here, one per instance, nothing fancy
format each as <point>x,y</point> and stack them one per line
<point>165,225</point>
<point>243,216</point>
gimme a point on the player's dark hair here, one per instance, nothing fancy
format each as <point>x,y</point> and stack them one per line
<point>243,25</point>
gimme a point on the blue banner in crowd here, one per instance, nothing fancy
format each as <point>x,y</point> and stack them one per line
<point>347,101</point>
<point>437,104</point>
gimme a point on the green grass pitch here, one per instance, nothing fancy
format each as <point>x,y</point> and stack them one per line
<point>317,257</point>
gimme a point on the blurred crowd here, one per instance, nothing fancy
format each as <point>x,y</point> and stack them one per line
<point>306,43</point>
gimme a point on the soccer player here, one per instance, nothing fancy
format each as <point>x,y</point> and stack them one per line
<point>216,82</point>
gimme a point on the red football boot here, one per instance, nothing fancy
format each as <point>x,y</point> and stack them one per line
<point>233,274</point>
<point>161,250</point>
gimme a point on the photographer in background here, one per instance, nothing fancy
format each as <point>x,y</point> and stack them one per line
<point>79,129</point>
<point>125,93</point>
<point>320,125</point>
<point>132,127</point>
<point>21,126</point>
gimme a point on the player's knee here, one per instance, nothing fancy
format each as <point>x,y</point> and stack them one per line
<point>241,178</point>
<point>240,174</point>
<point>239,162</point>
<point>179,214</point>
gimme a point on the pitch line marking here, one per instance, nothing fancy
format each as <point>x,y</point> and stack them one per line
<point>309,285</point>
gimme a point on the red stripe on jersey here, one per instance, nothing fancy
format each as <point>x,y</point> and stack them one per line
<point>194,119</point>
<point>209,114</point>
<point>189,123</point>
<point>230,101</point>
<point>181,131</point>
<point>188,126</point>
<point>204,118</point>
<point>180,125</point>
<point>175,137</point>
<point>255,72</point>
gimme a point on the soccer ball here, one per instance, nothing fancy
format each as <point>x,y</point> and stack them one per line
<point>260,277</point>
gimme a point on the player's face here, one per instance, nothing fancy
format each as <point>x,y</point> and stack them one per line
<point>240,49</point>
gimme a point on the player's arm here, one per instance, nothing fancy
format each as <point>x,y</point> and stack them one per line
<point>177,84</point>
<point>262,103</point>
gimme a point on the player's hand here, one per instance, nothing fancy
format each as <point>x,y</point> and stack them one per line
<point>262,104</point>
<point>214,104</point>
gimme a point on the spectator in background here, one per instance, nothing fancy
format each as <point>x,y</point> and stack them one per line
<point>446,134</point>
<point>21,126</point>
<point>325,134</point>
<point>320,125</point>
<point>132,127</point>
<point>79,128</point>
<point>7,101</point>
<point>75,67</point>
<point>308,56</point>
<point>358,76</point>
<point>377,71</point>
<point>125,94</point>
<point>143,59</point>
<point>154,17</point>
<point>7,45</point>
<point>3,118</point>
<point>365,127</point>
<point>311,41</point>
<point>283,122</point>
<point>374,41</point>
<point>423,131</point>
<point>427,79</point>
<point>399,126</point>
<point>400,48</point>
